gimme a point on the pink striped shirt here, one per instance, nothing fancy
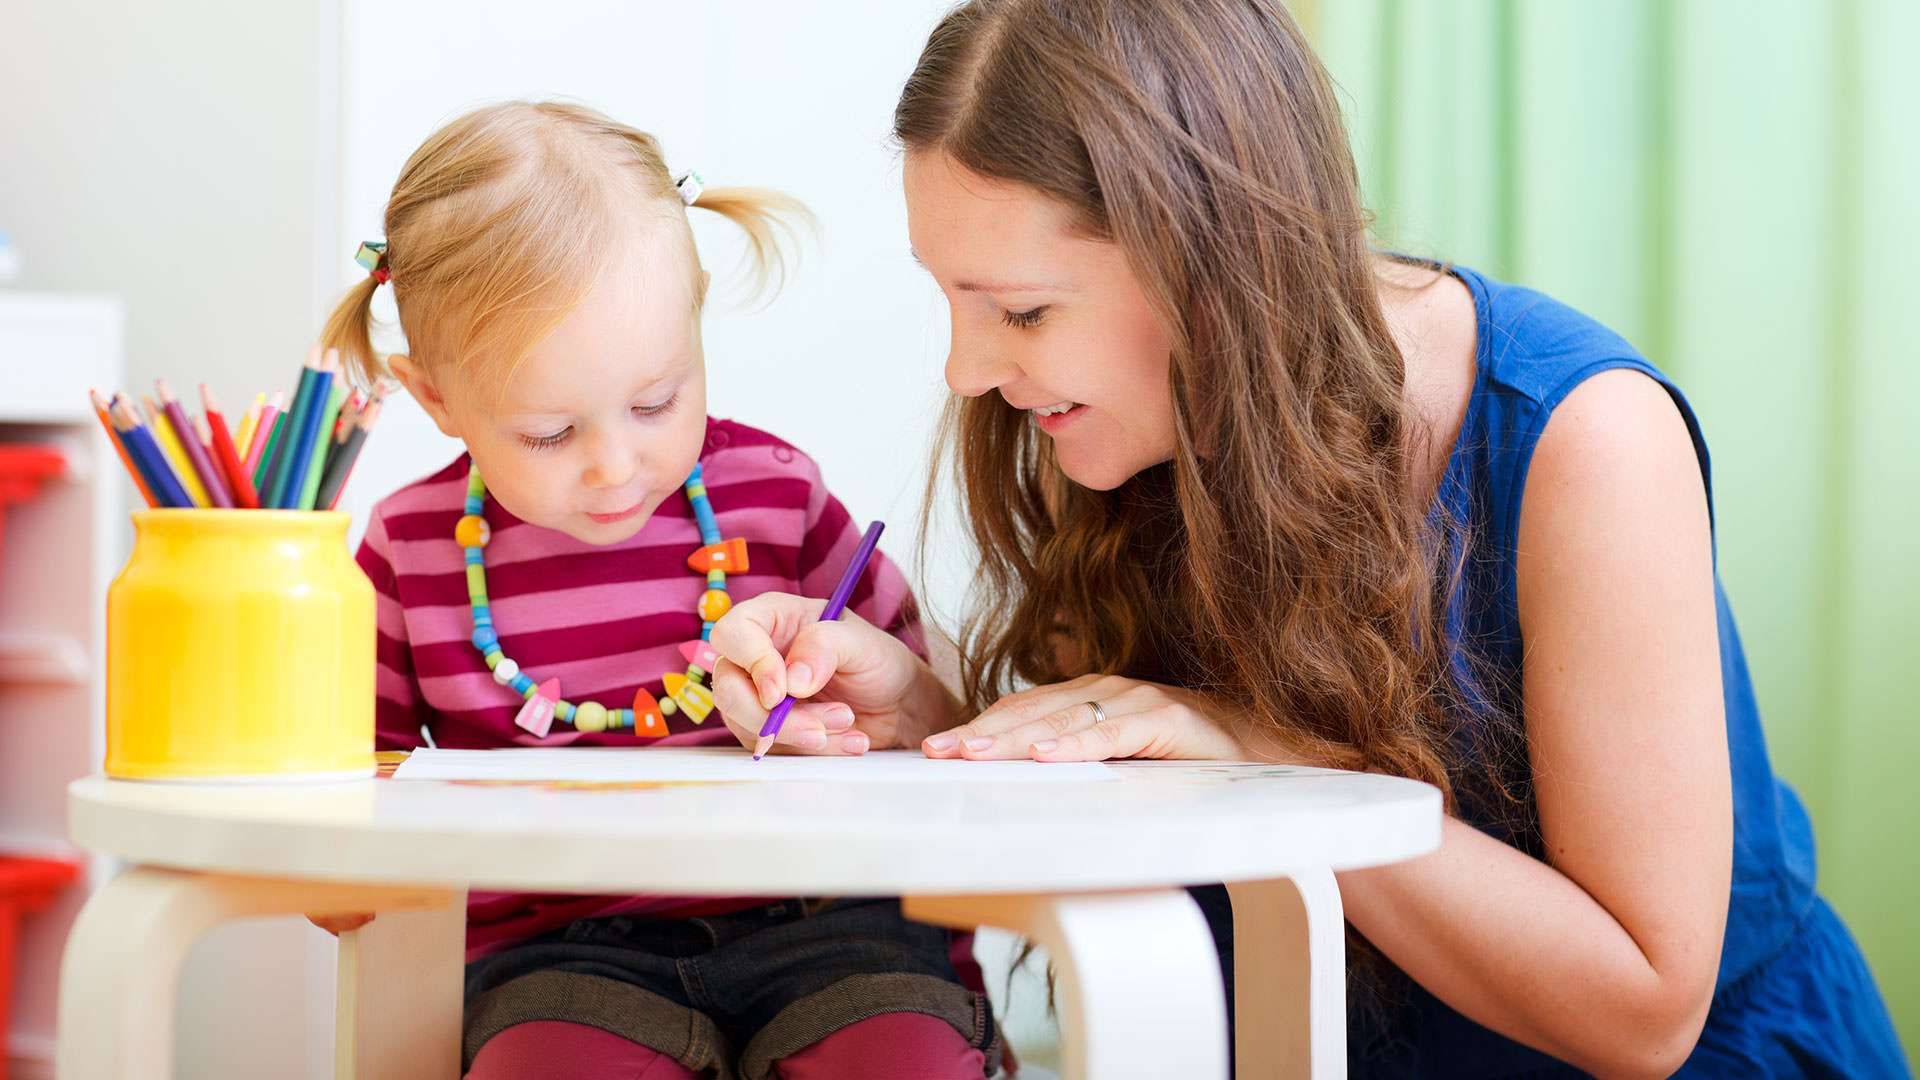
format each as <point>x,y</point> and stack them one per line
<point>604,620</point>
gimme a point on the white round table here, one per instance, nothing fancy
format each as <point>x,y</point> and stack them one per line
<point>1092,871</point>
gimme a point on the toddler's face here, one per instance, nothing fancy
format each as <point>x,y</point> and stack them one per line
<point>1054,322</point>
<point>604,419</point>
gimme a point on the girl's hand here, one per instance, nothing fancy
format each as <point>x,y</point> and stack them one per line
<point>856,686</point>
<point>1055,723</point>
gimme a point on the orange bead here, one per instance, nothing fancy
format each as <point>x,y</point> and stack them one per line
<point>713,604</point>
<point>729,556</point>
<point>647,719</point>
<point>472,531</point>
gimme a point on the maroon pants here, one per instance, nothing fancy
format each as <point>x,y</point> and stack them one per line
<point>883,1047</point>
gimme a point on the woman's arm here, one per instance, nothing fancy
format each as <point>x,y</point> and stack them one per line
<point>1605,954</point>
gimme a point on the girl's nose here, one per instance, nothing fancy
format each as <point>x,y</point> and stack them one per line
<point>974,366</point>
<point>611,462</point>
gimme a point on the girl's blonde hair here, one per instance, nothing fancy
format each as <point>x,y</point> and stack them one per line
<point>503,220</point>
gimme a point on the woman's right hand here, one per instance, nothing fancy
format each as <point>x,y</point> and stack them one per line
<point>856,686</point>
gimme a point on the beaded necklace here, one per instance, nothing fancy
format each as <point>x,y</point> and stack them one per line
<point>647,717</point>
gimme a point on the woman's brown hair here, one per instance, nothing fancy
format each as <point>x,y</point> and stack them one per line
<point>1279,561</point>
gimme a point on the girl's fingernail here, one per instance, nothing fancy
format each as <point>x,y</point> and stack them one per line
<point>977,742</point>
<point>798,677</point>
<point>854,742</point>
<point>940,743</point>
<point>811,740</point>
<point>1046,746</point>
<point>769,694</point>
<point>839,718</point>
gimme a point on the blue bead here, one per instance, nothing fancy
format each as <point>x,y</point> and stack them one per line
<point>473,555</point>
<point>484,638</point>
<point>563,711</point>
<point>522,684</point>
<point>476,503</point>
<point>626,717</point>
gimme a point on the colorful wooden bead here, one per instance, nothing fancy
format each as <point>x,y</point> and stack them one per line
<point>536,716</point>
<point>504,671</point>
<point>590,716</point>
<point>695,700</point>
<point>472,532</point>
<point>648,720</point>
<point>728,556</point>
<point>700,654</point>
<point>713,604</point>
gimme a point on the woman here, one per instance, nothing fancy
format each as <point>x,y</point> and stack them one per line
<point>1244,487</point>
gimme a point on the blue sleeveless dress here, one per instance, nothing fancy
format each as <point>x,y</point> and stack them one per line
<point>1794,997</point>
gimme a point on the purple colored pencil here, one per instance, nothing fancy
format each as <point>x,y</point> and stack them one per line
<point>835,605</point>
<point>197,458</point>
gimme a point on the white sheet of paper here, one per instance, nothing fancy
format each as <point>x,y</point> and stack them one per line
<point>706,764</point>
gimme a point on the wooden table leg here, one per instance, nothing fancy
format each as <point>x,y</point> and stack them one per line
<point>122,963</point>
<point>1290,977</point>
<point>399,1005</point>
<point>1139,980</point>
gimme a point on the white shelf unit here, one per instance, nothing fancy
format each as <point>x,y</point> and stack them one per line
<point>59,552</point>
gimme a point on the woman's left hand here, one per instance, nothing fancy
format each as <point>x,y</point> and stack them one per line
<point>1055,723</point>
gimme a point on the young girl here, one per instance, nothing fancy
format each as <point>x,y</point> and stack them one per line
<point>1243,486</point>
<point>538,592</point>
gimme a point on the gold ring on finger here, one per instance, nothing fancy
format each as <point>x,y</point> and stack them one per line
<point>1099,714</point>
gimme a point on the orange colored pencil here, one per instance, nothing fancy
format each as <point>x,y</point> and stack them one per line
<point>100,410</point>
<point>224,453</point>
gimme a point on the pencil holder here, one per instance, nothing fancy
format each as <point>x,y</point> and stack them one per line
<point>240,645</point>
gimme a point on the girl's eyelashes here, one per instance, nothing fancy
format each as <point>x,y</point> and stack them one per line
<point>546,442</point>
<point>661,409</point>
<point>1024,320</point>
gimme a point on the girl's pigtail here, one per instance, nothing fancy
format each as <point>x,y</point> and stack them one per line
<point>349,329</point>
<point>760,212</point>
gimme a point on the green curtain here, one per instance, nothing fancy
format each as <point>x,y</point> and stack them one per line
<point>1736,188</point>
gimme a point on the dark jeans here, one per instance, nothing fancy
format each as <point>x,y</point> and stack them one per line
<point>770,980</point>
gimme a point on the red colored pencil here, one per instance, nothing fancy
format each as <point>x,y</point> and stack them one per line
<point>100,410</point>
<point>225,453</point>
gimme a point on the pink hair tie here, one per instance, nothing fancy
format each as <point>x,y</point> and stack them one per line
<point>372,256</point>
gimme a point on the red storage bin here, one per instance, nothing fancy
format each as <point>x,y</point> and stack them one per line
<point>23,468</point>
<point>25,885</point>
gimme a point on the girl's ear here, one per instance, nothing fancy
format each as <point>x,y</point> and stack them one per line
<point>421,389</point>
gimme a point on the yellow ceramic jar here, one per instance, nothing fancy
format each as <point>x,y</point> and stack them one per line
<point>240,645</point>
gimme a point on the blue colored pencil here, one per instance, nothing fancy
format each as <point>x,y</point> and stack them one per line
<point>274,488</point>
<point>309,435</point>
<point>149,458</point>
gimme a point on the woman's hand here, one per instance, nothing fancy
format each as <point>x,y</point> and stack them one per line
<point>1056,723</point>
<point>856,687</point>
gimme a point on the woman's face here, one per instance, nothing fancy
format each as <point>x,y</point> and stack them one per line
<point>1054,322</point>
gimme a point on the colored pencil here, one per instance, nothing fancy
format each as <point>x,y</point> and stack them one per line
<point>306,437</point>
<point>146,450</point>
<point>243,435</point>
<point>835,605</point>
<point>280,456</point>
<point>340,466</point>
<point>196,453</point>
<point>120,447</point>
<point>225,452</point>
<point>278,428</point>
<point>323,444</point>
<point>161,428</point>
<point>262,431</point>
